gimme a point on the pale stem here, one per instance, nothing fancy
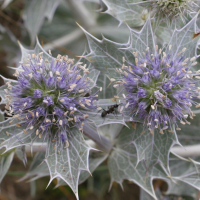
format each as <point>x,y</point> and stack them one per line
<point>102,142</point>
<point>85,19</point>
<point>65,40</point>
<point>187,151</point>
<point>81,13</point>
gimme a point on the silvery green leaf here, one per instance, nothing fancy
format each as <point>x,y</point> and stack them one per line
<point>38,49</point>
<point>21,154</point>
<point>12,134</point>
<point>35,12</point>
<point>5,159</point>
<point>133,15</point>
<point>163,34</point>
<point>145,195</point>
<point>95,159</point>
<point>67,163</point>
<point>38,168</point>
<point>108,91</point>
<point>185,171</point>
<point>4,88</point>
<point>181,189</point>
<point>123,164</point>
<point>93,75</point>
<point>110,131</point>
<point>143,39</point>
<point>185,37</point>
<point>5,162</point>
<point>150,148</point>
<point>105,55</point>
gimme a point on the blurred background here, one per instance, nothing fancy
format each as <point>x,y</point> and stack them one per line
<point>54,23</point>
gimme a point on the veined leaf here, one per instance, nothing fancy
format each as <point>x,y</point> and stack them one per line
<point>67,163</point>
<point>38,168</point>
<point>105,54</point>
<point>122,165</point>
<point>5,162</point>
<point>5,159</point>
<point>4,88</point>
<point>133,15</point>
<point>95,159</point>
<point>150,148</point>
<point>35,13</point>
<point>185,37</point>
<point>185,171</point>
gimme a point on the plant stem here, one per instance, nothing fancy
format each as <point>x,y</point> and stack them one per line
<point>187,151</point>
<point>65,40</point>
<point>81,13</point>
<point>103,143</point>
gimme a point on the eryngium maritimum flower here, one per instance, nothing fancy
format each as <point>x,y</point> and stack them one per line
<point>159,88</point>
<point>170,9</point>
<point>174,8</point>
<point>51,97</point>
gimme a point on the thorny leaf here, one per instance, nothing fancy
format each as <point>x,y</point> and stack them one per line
<point>67,163</point>
<point>123,164</point>
<point>151,148</point>
<point>105,55</point>
<point>95,159</point>
<point>5,159</point>
<point>35,12</point>
<point>133,15</point>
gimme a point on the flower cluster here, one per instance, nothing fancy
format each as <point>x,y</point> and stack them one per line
<point>159,88</point>
<point>173,8</point>
<point>51,96</point>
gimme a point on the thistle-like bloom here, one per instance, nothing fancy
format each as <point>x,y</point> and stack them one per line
<point>170,9</point>
<point>51,97</point>
<point>160,88</point>
<point>174,8</point>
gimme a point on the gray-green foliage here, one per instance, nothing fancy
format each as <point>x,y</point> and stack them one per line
<point>37,11</point>
<point>133,15</point>
<point>5,159</point>
<point>136,154</point>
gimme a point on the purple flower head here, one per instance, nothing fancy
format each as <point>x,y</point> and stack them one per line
<point>163,93</point>
<point>48,101</point>
<point>142,93</point>
<point>50,97</point>
<point>37,93</point>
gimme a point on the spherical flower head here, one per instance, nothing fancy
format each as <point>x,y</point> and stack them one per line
<point>52,96</point>
<point>174,8</point>
<point>159,88</point>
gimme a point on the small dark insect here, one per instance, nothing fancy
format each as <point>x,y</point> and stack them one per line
<point>111,109</point>
<point>87,95</point>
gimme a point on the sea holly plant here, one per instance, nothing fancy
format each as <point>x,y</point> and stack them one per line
<point>153,91</point>
<point>160,85</point>
<point>135,12</point>
<point>51,102</point>
<point>157,83</point>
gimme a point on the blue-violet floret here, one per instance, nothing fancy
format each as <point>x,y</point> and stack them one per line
<point>51,97</point>
<point>159,88</point>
